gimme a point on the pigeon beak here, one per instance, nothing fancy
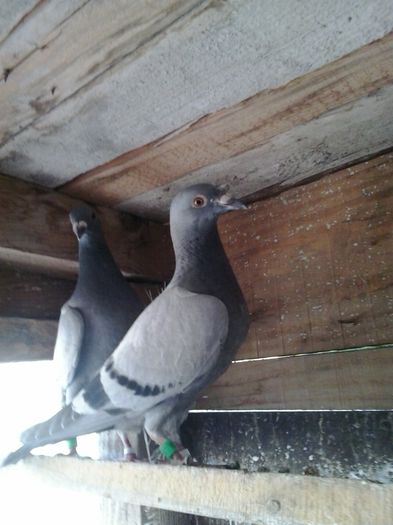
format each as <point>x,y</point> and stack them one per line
<point>228,203</point>
<point>79,228</point>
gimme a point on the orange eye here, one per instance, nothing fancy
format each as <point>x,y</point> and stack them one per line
<point>199,201</point>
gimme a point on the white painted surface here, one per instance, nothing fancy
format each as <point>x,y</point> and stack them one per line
<point>206,62</point>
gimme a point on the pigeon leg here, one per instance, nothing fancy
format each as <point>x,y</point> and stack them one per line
<point>162,424</point>
<point>129,454</point>
<point>168,450</point>
<point>72,445</point>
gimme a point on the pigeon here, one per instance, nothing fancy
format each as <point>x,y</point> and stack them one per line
<point>177,346</point>
<point>98,314</point>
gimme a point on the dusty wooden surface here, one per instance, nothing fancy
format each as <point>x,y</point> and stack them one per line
<point>231,132</point>
<point>74,98</point>
<point>36,234</point>
<point>315,263</point>
<point>354,445</point>
<point>75,53</point>
<point>276,499</point>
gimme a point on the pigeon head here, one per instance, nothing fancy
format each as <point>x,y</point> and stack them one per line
<point>201,204</point>
<point>85,221</point>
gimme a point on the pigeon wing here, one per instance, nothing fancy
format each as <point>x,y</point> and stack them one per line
<point>175,341</point>
<point>68,344</point>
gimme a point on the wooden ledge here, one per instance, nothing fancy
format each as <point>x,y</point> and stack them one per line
<point>247,497</point>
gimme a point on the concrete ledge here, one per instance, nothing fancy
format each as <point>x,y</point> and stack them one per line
<point>271,499</point>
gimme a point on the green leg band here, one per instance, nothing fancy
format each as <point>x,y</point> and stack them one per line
<point>167,448</point>
<point>71,443</point>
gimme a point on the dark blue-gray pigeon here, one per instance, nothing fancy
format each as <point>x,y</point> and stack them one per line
<point>98,314</point>
<point>179,344</point>
<point>100,311</point>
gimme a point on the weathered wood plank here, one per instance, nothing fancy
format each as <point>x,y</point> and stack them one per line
<point>316,262</point>
<point>35,232</point>
<point>335,140</point>
<point>59,52</point>
<point>28,32</point>
<point>277,499</point>
<point>243,127</point>
<point>26,339</point>
<point>225,52</point>
<point>13,14</point>
<point>348,380</point>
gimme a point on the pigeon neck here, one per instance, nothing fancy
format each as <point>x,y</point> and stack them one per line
<point>95,261</point>
<point>201,263</point>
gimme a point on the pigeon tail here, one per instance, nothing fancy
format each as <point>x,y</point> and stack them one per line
<point>64,425</point>
<point>15,456</point>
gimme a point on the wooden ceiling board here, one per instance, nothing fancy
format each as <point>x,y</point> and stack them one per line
<point>215,147</point>
<point>85,82</point>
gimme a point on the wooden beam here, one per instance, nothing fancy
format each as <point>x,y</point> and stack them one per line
<point>30,306</point>
<point>26,339</point>
<point>31,295</point>
<point>302,154</point>
<point>36,234</point>
<point>279,135</point>
<point>348,380</point>
<point>276,499</point>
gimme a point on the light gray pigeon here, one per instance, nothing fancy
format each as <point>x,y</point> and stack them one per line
<point>179,344</point>
<point>100,311</point>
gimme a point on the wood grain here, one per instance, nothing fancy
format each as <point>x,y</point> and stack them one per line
<point>35,232</point>
<point>274,499</point>
<point>316,262</point>
<point>349,380</point>
<point>333,141</point>
<point>60,52</point>
<point>248,125</point>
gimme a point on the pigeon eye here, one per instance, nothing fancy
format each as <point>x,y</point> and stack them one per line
<point>93,215</point>
<point>199,201</point>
